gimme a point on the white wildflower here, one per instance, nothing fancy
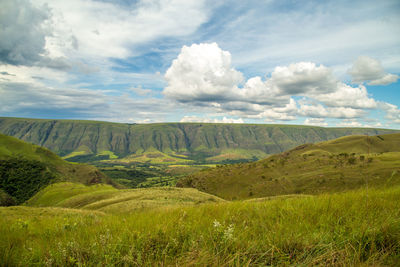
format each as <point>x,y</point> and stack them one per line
<point>228,233</point>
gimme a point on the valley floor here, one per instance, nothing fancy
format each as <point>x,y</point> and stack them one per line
<point>353,228</point>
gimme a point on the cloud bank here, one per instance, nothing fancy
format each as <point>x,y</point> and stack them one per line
<point>202,75</point>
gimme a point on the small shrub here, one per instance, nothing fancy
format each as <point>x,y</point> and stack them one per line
<point>6,199</point>
<point>351,161</point>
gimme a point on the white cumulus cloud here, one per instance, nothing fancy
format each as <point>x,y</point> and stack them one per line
<point>258,91</point>
<point>202,72</point>
<point>367,69</point>
<point>392,112</point>
<point>347,96</point>
<point>304,78</point>
<point>202,75</point>
<point>319,111</point>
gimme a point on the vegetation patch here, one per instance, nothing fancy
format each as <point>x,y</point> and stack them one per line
<point>21,178</point>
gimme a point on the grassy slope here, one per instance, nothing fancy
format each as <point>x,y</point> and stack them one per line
<point>16,150</point>
<point>106,198</point>
<point>358,228</point>
<point>308,169</point>
<point>237,154</point>
<point>152,156</point>
<point>11,147</point>
<point>197,140</point>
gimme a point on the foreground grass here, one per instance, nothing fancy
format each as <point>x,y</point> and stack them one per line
<point>354,228</point>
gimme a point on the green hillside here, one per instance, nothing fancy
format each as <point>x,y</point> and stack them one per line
<point>332,166</point>
<point>88,141</point>
<point>26,168</point>
<point>102,197</point>
<point>357,228</point>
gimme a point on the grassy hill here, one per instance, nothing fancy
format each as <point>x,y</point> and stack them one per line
<point>26,168</point>
<point>106,198</point>
<point>356,228</point>
<point>168,143</point>
<point>332,166</point>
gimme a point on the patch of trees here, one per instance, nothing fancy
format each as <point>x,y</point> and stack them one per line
<point>88,158</point>
<point>22,178</point>
<point>135,177</point>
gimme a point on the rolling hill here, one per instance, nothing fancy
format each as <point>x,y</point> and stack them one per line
<point>168,143</point>
<point>341,164</point>
<point>105,198</point>
<point>26,168</point>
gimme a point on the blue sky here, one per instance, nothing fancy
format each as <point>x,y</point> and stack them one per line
<point>326,63</point>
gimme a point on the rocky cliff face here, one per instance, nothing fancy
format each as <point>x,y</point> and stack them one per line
<point>66,136</point>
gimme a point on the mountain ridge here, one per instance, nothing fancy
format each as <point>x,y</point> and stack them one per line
<point>199,140</point>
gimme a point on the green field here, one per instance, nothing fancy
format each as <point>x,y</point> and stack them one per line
<point>356,228</point>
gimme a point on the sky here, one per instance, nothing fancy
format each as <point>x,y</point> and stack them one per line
<point>325,63</point>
